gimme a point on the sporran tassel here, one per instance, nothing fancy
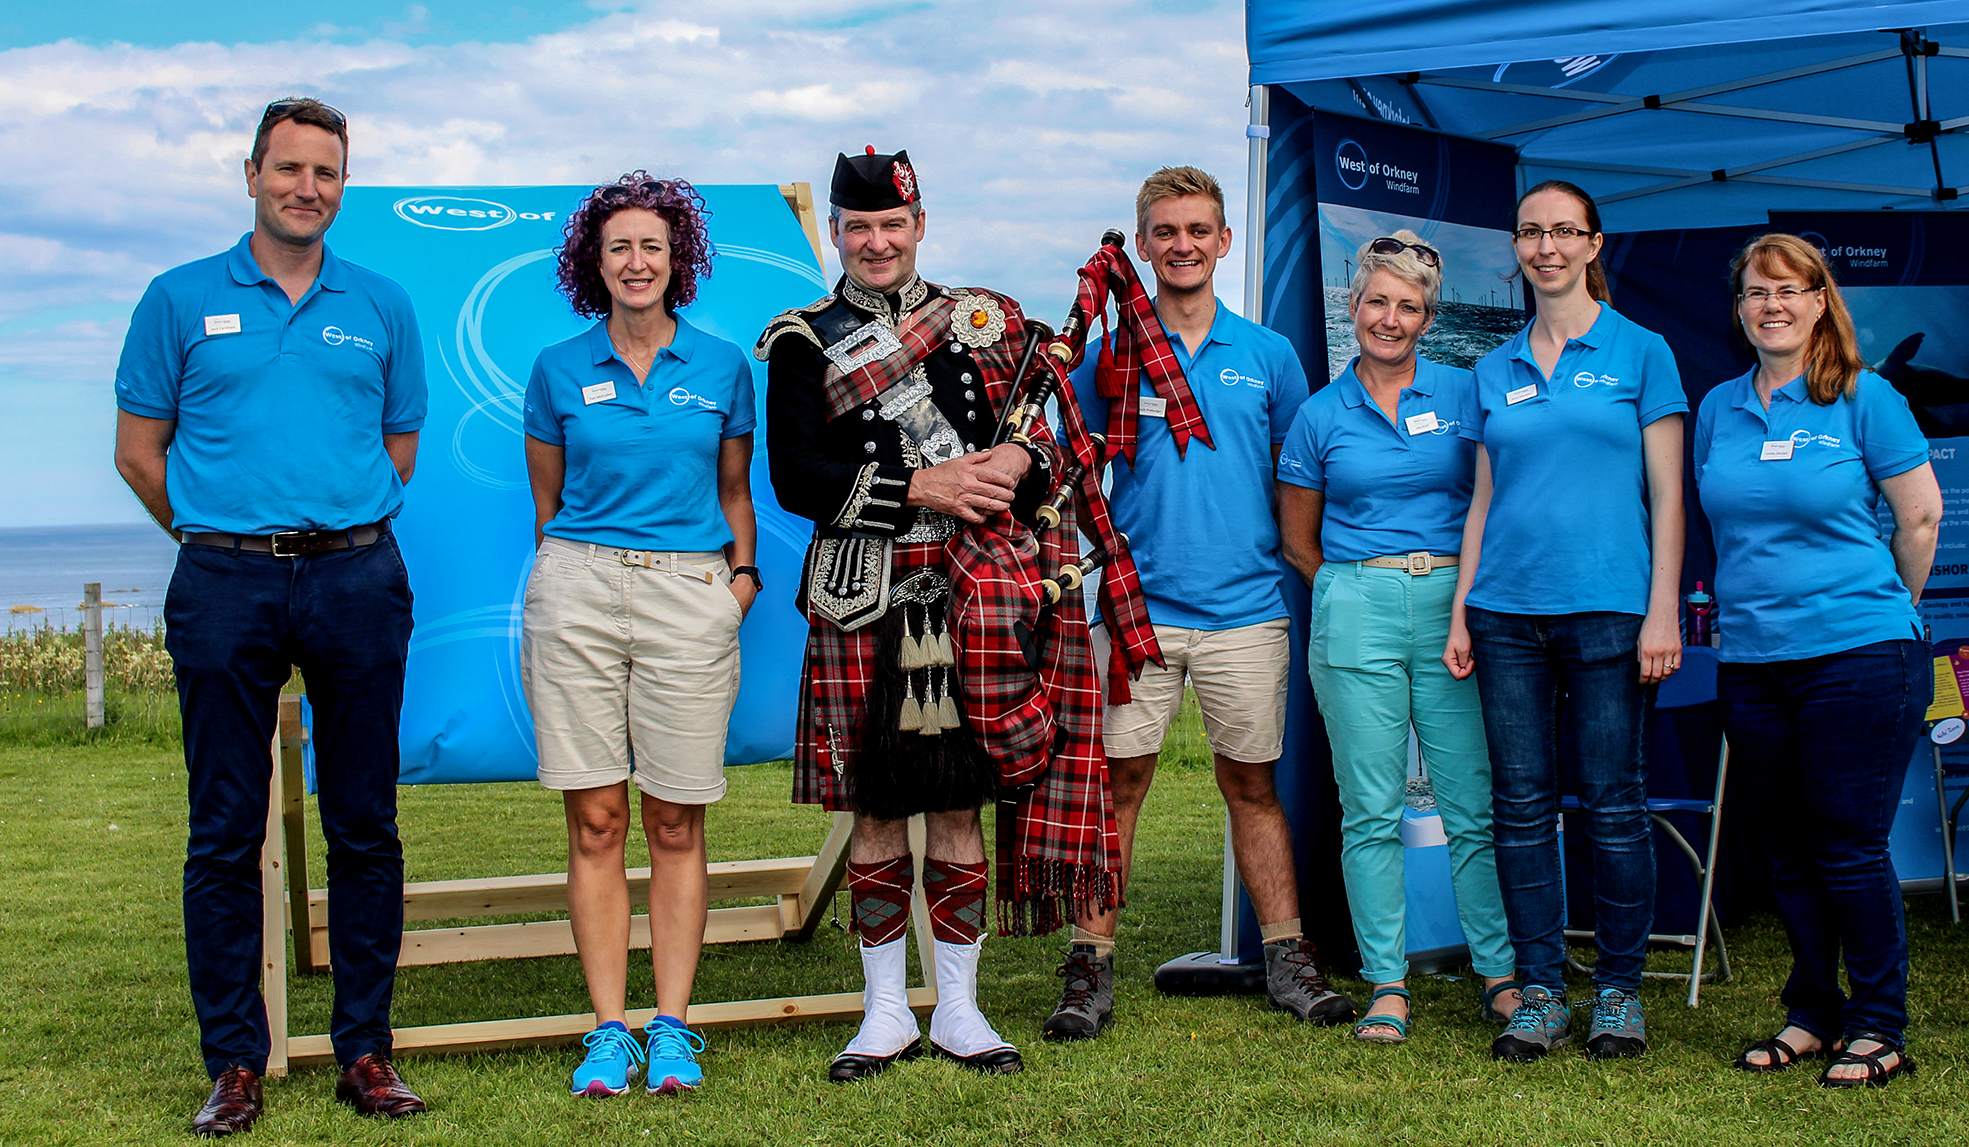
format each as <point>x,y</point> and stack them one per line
<point>947,708</point>
<point>932,714</point>
<point>944,654</point>
<point>910,658</point>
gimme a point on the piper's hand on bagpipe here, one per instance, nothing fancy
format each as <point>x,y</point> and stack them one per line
<point>970,488</point>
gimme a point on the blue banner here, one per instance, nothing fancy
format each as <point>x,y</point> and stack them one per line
<point>478,263</point>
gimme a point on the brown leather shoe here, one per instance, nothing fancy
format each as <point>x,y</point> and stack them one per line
<point>371,1086</point>
<point>233,1105</point>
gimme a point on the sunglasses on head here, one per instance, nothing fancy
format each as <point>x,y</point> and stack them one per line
<point>281,108</point>
<point>1389,245</point>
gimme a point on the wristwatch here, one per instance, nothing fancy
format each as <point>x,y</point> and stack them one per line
<point>751,572</point>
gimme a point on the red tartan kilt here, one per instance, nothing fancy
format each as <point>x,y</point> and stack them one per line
<point>834,695</point>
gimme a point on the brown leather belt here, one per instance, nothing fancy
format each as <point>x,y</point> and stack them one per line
<point>295,543</point>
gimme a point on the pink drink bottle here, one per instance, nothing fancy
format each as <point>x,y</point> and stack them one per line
<point>1702,618</point>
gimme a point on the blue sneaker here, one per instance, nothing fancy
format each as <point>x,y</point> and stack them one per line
<point>673,1057</point>
<point>612,1058</point>
<point>1539,1025</point>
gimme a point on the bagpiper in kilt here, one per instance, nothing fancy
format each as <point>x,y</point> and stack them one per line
<point>931,685</point>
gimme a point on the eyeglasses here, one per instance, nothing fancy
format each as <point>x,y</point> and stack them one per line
<point>1758,296</point>
<point>1389,245</point>
<point>282,108</point>
<point>1560,234</point>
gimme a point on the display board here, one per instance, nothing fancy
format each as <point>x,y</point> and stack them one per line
<point>479,264</point>
<point>1334,182</point>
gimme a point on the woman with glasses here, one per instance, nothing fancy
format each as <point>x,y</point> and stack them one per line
<point>1825,680</point>
<point>1566,610</point>
<point>639,451</point>
<point>1373,485</point>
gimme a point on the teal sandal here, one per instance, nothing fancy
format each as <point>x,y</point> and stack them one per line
<point>1487,1001</point>
<point>1396,1024</point>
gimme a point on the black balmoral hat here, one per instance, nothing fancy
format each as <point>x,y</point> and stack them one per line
<point>873,182</point>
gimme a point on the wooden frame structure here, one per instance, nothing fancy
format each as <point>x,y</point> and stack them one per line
<point>802,885</point>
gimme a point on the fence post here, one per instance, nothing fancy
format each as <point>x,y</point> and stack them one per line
<point>92,650</point>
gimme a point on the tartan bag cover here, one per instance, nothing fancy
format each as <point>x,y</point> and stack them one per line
<point>1139,344</point>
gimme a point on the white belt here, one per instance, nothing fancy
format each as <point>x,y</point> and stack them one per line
<point>665,562</point>
<point>1417,564</point>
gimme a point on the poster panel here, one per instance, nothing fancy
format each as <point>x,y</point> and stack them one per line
<point>1333,183</point>
<point>479,264</point>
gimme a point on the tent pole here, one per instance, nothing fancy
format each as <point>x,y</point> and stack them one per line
<point>1259,133</point>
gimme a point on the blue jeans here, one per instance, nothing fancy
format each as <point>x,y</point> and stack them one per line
<point>1533,672</point>
<point>1818,750</point>
<point>234,624</point>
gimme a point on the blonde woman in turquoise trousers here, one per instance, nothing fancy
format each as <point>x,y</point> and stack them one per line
<point>1374,484</point>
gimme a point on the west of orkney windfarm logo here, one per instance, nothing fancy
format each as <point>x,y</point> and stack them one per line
<point>456,213</point>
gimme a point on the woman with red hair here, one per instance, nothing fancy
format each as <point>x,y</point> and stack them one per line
<point>1825,679</point>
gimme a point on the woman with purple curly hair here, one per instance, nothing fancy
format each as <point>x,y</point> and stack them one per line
<point>639,452</point>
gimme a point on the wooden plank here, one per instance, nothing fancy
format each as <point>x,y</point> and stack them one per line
<point>800,197</point>
<point>292,795</point>
<point>426,946</point>
<point>825,876</point>
<point>549,1031</point>
<point>273,925</point>
<point>547,891</point>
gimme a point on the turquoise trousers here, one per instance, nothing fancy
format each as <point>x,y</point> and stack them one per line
<point>1376,665</point>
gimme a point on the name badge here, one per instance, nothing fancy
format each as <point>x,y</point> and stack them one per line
<point>600,392</point>
<point>221,325</point>
<point>1513,398</point>
<point>1778,451</point>
<point>1153,407</point>
<point>1423,423</point>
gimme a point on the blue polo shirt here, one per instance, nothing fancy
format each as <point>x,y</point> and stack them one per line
<point>1203,528</point>
<point>1391,487</point>
<point>1567,530</point>
<point>281,407</point>
<point>642,459</point>
<point>1801,567</point>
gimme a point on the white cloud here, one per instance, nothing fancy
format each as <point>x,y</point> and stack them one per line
<point>1031,124</point>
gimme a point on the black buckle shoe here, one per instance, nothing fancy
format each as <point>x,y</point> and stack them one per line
<point>848,1067</point>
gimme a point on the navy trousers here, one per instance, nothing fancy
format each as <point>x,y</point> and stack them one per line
<point>1819,748</point>
<point>234,624</point>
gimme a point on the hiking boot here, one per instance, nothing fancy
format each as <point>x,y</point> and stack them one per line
<point>1295,984</point>
<point>1618,1028</point>
<point>1086,996</point>
<point>1539,1025</point>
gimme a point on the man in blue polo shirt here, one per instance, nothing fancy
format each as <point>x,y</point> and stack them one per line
<point>1202,529</point>
<point>269,400</point>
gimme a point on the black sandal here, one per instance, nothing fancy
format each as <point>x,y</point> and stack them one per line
<point>1780,1055</point>
<point>1877,1074</point>
<point>1486,1002</point>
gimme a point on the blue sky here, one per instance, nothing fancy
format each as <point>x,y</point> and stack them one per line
<point>124,123</point>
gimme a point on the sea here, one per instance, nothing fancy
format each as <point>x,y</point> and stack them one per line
<point>43,569</point>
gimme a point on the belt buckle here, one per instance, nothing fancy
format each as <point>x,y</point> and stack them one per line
<point>1420,563</point>
<point>296,536</point>
<point>633,558</point>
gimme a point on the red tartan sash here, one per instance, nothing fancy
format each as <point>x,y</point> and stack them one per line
<point>1138,344</point>
<point>921,332</point>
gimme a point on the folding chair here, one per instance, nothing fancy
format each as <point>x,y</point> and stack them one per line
<point>1693,684</point>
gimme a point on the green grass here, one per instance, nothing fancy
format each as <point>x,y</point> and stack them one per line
<point>98,1044</point>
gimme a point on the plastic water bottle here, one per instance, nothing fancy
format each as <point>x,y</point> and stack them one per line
<point>1702,618</point>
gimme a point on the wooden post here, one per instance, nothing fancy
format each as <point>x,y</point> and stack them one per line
<point>273,925</point>
<point>92,651</point>
<point>288,794</point>
<point>800,197</point>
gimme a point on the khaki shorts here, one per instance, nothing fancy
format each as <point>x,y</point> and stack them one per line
<point>630,671</point>
<point>1239,676</point>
